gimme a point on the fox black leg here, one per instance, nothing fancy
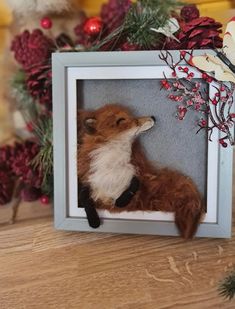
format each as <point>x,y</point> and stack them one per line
<point>125,198</point>
<point>88,204</point>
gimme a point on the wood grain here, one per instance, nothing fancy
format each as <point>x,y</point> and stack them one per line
<point>42,268</point>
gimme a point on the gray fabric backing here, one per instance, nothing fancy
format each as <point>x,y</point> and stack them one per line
<point>171,142</point>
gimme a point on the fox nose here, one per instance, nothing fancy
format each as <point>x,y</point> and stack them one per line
<point>154,119</point>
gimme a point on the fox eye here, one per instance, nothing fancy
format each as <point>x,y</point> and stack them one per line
<point>120,120</point>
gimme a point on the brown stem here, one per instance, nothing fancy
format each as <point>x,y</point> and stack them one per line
<point>15,209</point>
<point>17,200</point>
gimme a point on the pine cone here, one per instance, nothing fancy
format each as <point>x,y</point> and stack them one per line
<point>6,155</point>
<point>32,48</point>
<point>39,84</point>
<point>202,32</point>
<point>6,185</point>
<point>22,164</point>
<point>189,12</point>
<point>113,13</point>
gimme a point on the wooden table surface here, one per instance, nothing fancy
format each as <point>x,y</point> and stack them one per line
<point>43,268</point>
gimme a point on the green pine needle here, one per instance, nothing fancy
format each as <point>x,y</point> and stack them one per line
<point>42,129</point>
<point>227,287</point>
<point>144,15</point>
<point>141,17</point>
<point>44,158</point>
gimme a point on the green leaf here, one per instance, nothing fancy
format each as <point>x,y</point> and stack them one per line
<point>227,287</point>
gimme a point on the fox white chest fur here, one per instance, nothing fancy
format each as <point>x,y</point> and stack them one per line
<point>110,169</point>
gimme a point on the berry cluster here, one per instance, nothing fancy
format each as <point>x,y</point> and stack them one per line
<point>193,95</point>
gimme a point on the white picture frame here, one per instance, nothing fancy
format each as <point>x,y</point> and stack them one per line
<point>68,68</point>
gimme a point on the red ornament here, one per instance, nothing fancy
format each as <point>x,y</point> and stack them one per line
<point>93,26</point>
<point>44,199</point>
<point>46,23</point>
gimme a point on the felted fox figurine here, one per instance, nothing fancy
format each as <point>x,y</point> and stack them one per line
<point>112,165</point>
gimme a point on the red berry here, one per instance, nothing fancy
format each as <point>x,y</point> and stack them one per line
<point>46,23</point>
<point>209,79</point>
<point>223,143</point>
<point>173,74</point>
<point>217,94</point>
<point>204,75</point>
<point>180,68</point>
<point>214,102</point>
<point>186,70</point>
<point>181,112</point>
<point>232,115</point>
<point>44,199</point>
<point>183,53</point>
<point>191,74</point>
<point>222,88</point>
<point>203,122</point>
<point>165,84</point>
<point>93,26</point>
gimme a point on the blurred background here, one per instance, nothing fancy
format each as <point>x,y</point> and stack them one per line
<point>220,10</point>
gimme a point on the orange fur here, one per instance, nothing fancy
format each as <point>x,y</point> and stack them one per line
<point>160,189</point>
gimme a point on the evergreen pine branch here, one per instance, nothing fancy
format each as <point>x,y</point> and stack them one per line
<point>44,159</point>
<point>141,17</point>
<point>227,287</point>
<point>145,15</point>
<point>112,36</point>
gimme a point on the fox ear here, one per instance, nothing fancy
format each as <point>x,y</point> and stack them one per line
<point>90,125</point>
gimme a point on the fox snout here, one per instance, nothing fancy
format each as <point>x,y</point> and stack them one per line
<point>146,123</point>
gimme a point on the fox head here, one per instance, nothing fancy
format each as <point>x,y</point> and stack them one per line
<point>112,122</point>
